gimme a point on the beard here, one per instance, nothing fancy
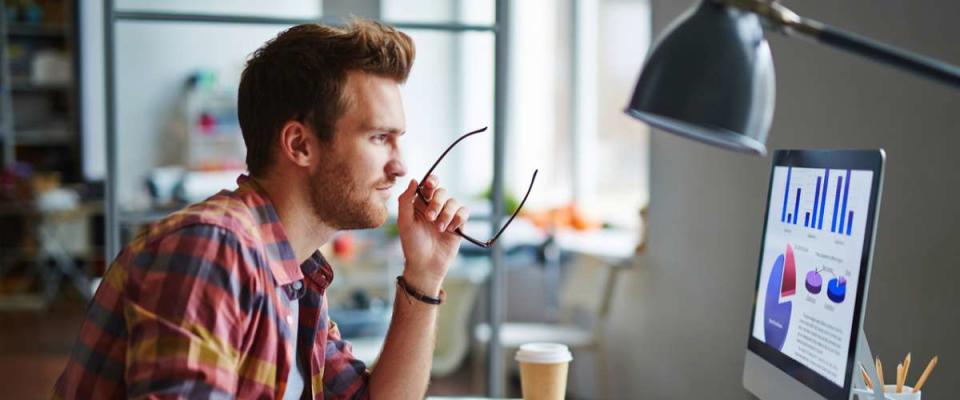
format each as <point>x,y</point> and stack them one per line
<point>343,201</point>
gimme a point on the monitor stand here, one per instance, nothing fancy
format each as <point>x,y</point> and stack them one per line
<point>865,357</point>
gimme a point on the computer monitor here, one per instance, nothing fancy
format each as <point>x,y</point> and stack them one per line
<point>813,275</point>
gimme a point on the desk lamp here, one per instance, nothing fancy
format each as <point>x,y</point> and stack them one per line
<point>710,75</point>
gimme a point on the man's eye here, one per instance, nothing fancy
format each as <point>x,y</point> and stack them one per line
<point>380,138</point>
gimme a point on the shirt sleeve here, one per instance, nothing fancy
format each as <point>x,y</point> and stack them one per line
<point>184,315</point>
<point>344,376</point>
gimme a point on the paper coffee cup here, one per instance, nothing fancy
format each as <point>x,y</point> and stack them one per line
<point>543,370</point>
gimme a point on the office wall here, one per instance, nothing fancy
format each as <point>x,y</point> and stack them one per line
<point>680,322</point>
<point>154,60</point>
<point>191,54</point>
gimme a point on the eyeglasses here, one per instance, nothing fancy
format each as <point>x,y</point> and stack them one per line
<point>487,243</point>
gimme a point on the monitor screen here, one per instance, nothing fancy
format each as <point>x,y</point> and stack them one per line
<point>813,261</point>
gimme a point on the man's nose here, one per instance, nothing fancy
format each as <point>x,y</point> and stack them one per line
<point>396,168</point>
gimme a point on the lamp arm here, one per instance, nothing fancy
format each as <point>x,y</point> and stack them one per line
<point>916,63</point>
<point>779,18</point>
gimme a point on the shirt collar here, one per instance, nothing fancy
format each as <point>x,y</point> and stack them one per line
<point>283,261</point>
<point>318,271</point>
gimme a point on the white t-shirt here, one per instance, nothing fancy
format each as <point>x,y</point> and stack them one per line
<point>295,383</point>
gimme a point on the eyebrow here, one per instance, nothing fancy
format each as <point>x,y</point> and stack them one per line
<point>395,131</point>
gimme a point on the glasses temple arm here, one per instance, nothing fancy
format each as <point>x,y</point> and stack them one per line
<point>487,243</point>
<point>519,207</point>
<point>435,163</point>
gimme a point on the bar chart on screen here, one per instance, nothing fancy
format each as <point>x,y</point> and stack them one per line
<point>821,199</point>
<point>810,265</point>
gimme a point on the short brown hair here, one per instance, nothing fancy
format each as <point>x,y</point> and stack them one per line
<point>300,74</point>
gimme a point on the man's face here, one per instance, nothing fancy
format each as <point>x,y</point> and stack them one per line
<point>351,184</point>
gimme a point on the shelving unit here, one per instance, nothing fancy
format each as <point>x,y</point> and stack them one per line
<point>7,135</point>
<point>39,111</point>
<point>39,127</point>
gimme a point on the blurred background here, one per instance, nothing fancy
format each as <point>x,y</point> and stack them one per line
<point>176,66</point>
<point>654,307</point>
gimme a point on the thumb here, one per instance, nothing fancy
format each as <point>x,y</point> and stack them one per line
<point>405,208</point>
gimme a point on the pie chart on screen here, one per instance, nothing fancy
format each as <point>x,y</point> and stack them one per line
<point>837,289</point>
<point>777,308</point>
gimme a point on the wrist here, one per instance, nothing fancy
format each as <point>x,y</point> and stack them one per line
<point>413,293</point>
<point>427,283</point>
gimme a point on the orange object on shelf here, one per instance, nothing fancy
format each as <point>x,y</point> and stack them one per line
<point>567,216</point>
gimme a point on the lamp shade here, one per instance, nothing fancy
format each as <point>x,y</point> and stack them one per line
<point>710,78</point>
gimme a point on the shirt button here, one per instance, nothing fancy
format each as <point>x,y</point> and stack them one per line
<point>290,319</point>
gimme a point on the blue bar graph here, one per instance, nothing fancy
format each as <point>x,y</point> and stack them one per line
<point>816,202</point>
<point>850,223</point>
<point>823,200</point>
<point>836,204</point>
<point>796,207</point>
<point>846,193</point>
<point>786,193</point>
<point>815,216</point>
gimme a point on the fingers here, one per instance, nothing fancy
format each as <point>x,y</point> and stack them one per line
<point>429,186</point>
<point>459,219</point>
<point>406,200</point>
<point>437,201</point>
<point>445,218</point>
<point>446,214</point>
<point>409,192</point>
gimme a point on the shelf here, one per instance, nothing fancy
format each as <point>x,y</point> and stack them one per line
<point>22,29</point>
<point>46,136</point>
<point>27,86</point>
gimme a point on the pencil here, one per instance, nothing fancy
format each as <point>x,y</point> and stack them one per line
<point>866,377</point>
<point>899,378</point>
<point>880,375</point>
<point>906,368</point>
<point>925,374</point>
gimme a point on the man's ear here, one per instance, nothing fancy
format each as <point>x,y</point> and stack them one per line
<point>296,143</point>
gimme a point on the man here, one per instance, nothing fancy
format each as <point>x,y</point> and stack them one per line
<point>226,298</point>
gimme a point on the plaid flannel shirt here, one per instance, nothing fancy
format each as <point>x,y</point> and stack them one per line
<point>190,310</point>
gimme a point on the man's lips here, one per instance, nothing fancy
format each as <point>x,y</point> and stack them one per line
<point>384,191</point>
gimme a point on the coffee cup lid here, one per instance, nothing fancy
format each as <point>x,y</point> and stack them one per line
<point>544,353</point>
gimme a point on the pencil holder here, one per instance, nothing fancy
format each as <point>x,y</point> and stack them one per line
<point>890,393</point>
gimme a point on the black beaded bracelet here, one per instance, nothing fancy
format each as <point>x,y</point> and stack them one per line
<point>411,292</point>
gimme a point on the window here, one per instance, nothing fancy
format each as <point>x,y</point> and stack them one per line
<point>564,102</point>
<point>573,71</point>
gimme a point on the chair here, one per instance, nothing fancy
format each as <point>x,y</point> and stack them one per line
<point>587,291</point>
<point>60,232</point>
<point>453,321</point>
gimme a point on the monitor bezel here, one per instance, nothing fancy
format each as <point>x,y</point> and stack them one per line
<point>872,160</point>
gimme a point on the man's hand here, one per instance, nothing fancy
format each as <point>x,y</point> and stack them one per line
<point>427,234</point>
